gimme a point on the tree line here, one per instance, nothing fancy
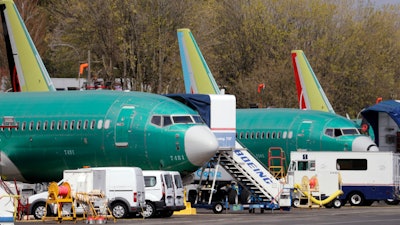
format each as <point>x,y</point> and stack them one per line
<point>352,45</point>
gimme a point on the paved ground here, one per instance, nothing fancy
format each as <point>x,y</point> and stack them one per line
<point>377,214</point>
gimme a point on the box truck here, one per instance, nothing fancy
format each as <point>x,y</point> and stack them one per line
<point>365,176</point>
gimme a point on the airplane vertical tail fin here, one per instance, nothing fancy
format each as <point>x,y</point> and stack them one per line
<point>197,76</point>
<point>27,70</point>
<point>309,91</point>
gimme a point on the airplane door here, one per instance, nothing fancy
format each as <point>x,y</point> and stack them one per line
<point>123,126</point>
<point>303,135</point>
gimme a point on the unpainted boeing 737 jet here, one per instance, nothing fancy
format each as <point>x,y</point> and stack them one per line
<point>43,133</point>
<point>274,128</point>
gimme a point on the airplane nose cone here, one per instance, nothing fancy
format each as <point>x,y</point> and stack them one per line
<point>200,145</point>
<point>363,143</point>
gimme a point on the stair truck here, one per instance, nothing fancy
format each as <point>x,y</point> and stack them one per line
<point>266,191</point>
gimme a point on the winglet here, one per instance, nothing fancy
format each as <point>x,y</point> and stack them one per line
<point>309,91</point>
<point>27,70</point>
<point>197,76</point>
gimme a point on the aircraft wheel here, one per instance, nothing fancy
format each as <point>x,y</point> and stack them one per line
<point>218,208</point>
<point>337,203</point>
<point>356,199</point>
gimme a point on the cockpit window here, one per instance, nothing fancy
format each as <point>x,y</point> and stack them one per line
<point>198,119</point>
<point>350,131</point>
<point>182,119</point>
<point>166,120</point>
<point>339,132</point>
<point>156,120</point>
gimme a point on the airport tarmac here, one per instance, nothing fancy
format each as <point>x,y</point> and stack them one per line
<point>378,213</point>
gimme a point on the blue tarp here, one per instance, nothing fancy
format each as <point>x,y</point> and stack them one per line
<point>198,102</point>
<point>371,114</point>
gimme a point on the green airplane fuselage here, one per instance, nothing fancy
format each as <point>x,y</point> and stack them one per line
<point>294,130</point>
<point>55,131</point>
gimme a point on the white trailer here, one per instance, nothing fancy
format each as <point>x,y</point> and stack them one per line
<point>365,176</point>
<point>123,187</point>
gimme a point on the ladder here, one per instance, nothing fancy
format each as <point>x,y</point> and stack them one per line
<point>276,162</point>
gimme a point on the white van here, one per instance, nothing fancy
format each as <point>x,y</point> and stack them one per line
<point>164,193</point>
<point>123,187</point>
<point>179,191</point>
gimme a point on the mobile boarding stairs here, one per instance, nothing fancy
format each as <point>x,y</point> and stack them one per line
<point>266,192</point>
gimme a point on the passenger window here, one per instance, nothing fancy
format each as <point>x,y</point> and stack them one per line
<point>290,135</point>
<point>66,125</point>
<point>52,125</point>
<point>45,125</point>
<point>92,124</point>
<point>17,126</point>
<point>72,125</point>
<point>38,125</point>
<point>59,123</point>
<point>100,124</point>
<point>150,181</point>
<point>85,124</point>
<point>78,125</point>
<point>23,125</point>
<point>107,124</point>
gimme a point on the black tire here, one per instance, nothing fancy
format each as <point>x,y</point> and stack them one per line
<point>218,208</point>
<point>119,210</point>
<point>167,213</point>
<point>368,202</point>
<point>336,203</point>
<point>296,202</point>
<point>392,201</point>
<point>329,205</point>
<point>356,199</point>
<point>150,211</point>
<point>38,210</point>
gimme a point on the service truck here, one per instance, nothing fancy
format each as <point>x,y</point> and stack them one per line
<point>122,186</point>
<point>365,176</point>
